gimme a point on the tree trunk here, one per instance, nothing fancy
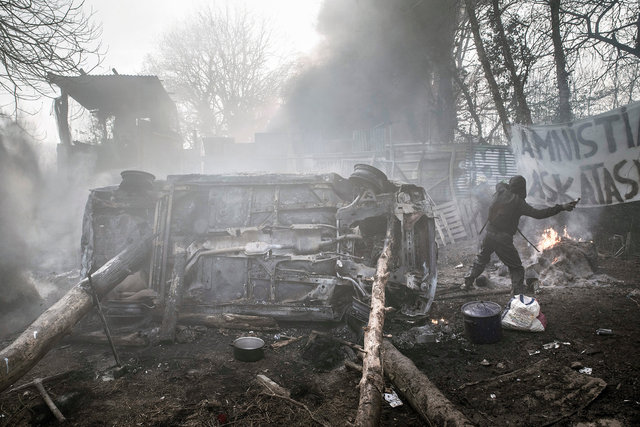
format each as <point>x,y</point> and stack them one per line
<point>562,76</point>
<point>486,66</point>
<point>34,343</point>
<point>470,104</point>
<point>421,394</point>
<point>372,382</point>
<point>523,113</point>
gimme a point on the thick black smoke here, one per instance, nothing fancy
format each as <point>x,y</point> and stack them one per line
<point>382,62</point>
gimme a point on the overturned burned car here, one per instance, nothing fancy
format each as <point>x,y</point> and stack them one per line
<point>291,247</point>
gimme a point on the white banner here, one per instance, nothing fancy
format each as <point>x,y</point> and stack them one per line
<point>596,159</point>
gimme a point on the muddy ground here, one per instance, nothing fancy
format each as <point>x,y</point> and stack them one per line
<point>524,379</point>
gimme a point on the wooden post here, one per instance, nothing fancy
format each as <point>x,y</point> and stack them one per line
<point>33,344</point>
<point>372,382</point>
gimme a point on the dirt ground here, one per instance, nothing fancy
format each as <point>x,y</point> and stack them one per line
<point>524,379</point>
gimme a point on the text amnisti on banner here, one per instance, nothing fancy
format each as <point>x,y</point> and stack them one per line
<point>596,159</point>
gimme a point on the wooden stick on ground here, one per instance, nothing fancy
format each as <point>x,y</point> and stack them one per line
<point>478,293</point>
<point>47,399</point>
<point>372,382</point>
<point>33,344</point>
<point>49,378</point>
<point>286,342</point>
<point>37,383</point>
<point>271,386</point>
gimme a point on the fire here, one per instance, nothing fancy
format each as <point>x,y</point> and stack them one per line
<point>550,238</point>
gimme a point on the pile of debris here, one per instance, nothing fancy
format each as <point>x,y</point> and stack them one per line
<point>565,261</point>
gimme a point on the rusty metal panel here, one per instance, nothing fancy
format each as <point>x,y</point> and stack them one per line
<point>488,164</point>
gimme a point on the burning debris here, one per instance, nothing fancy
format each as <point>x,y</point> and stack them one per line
<point>563,260</point>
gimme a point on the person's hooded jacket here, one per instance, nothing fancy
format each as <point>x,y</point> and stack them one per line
<point>508,206</point>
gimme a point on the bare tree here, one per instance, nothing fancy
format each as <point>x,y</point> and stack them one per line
<point>38,37</point>
<point>470,6</point>
<point>565,59</point>
<point>613,22</point>
<point>523,113</point>
<point>221,66</point>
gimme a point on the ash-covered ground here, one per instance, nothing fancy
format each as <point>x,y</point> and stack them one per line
<point>524,379</point>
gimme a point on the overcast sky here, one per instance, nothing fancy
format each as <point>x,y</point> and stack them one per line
<point>131,28</point>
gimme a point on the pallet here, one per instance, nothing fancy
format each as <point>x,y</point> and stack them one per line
<point>448,223</point>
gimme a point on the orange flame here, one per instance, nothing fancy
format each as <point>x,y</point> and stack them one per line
<point>551,237</point>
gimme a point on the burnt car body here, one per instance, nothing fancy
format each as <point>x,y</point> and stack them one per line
<point>292,247</point>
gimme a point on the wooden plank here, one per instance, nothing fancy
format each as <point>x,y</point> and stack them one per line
<point>448,219</point>
<point>439,230</point>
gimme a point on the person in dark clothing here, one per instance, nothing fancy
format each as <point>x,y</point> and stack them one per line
<point>507,207</point>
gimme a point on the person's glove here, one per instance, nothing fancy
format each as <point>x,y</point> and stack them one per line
<point>569,206</point>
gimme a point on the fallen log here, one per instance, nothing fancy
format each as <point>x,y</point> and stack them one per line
<point>479,293</point>
<point>33,344</point>
<point>372,382</point>
<point>423,396</point>
<point>229,321</point>
<point>132,339</point>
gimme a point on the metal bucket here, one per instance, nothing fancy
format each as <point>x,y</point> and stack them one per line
<point>248,349</point>
<point>482,323</point>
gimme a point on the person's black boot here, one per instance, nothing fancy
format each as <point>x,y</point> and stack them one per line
<point>468,284</point>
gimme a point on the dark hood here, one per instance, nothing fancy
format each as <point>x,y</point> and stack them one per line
<point>518,186</point>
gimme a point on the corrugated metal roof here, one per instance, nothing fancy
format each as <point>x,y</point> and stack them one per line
<point>141,95</point>
<point>487,163</point>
